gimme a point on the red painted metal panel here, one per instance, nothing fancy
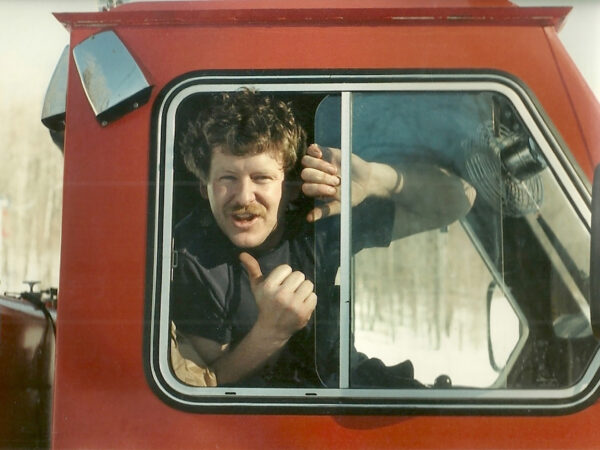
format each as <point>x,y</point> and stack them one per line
<point>521,51</point>
<point>102,399</point>
<point>584,103</point>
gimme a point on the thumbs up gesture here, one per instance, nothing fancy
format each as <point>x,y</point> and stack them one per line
<point>285,298</point>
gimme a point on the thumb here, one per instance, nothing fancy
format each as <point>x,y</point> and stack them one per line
<point>252,267</point>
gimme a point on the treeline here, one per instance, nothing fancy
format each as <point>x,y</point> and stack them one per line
<point>31,171</point>
<point>426,291</point>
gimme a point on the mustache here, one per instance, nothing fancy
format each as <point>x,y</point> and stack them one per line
<point>254,208</point>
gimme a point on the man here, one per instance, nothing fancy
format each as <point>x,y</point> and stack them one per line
<point>244,290</point>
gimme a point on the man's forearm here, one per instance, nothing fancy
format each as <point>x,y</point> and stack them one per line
<point>426,196</point>
<point>253,352</point>
<point>383,179</point>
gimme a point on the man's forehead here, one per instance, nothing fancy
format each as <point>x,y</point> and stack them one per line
<point>267,156</point>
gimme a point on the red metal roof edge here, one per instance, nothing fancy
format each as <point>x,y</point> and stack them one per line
<point>306,4</point>
<point>293,16</point>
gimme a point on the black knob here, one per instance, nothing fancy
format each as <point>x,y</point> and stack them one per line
<point>442,382</point>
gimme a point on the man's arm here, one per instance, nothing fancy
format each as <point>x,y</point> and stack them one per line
<point>426,196</point>
<point>285,301</point>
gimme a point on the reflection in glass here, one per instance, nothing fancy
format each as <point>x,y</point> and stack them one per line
<point>424,297</point>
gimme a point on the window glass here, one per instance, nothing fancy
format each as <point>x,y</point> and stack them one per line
<point>463,274</point>
<point>428,302</point>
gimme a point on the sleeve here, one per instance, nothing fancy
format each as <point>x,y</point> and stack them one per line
<point>372,223</point>
<point>195,308</point>
<point>372,226</point>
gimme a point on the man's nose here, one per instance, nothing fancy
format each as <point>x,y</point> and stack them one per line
<point>245,193</point>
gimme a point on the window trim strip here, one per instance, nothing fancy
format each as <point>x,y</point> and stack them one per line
<point>345,239</point>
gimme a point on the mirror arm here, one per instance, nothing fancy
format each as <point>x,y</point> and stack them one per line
<point>595,256</point>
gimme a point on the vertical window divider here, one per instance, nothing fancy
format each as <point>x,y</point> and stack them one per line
<point>345,238</point>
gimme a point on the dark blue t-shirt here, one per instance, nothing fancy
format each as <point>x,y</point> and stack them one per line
<point>211,294</point>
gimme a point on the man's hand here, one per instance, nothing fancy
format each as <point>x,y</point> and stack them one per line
<point>285,299</point>
<point>320,180</point>
<point>426,196</point>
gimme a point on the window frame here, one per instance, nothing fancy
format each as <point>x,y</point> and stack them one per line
<point>342,399</point>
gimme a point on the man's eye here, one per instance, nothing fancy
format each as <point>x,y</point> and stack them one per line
<point>262,178</point>
<point>227,178</point>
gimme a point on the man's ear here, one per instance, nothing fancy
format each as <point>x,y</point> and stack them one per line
<point>203,190</point>
<point>202,186</point>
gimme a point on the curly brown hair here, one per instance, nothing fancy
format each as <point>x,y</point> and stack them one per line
<point>244,122</point>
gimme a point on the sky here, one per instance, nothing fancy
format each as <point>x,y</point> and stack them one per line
<point>31,40</point>
<point>580,35</point>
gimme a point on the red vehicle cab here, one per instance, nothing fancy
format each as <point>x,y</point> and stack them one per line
<point>497,312</point>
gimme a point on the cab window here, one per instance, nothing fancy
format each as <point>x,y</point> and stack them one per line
<point>488,311</point>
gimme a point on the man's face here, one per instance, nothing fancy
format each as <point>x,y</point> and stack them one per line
<point>246,195</point>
